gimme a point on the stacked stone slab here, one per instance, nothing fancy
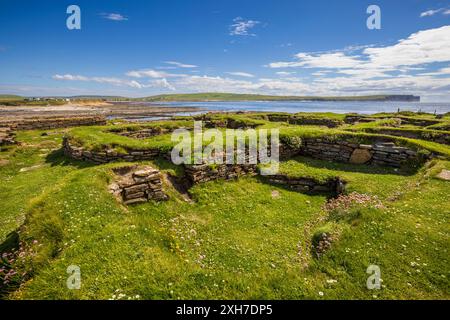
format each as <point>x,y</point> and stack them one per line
<point>388,154</point>
<point>353,119</point>
<point>99,157</point>
<point>52,123</point>
<point>138,184</point>
<point>382,153</point>
<point>335,186</point>
<point>7,136</point>
<point>144,133</point>
<point>208,172</point>
<point>304,120</point>
<point>340,151</point>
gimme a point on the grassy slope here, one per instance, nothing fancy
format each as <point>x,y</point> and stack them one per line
<point>249,240</point>
<point>38,173</point>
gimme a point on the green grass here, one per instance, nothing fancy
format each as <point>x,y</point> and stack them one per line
<point>100,138</point>
<point>381,181</point>
<point>9,97</point>
<point>26,173</point>
<point>234,241</point>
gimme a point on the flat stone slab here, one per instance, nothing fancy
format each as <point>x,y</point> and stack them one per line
<point>136,184</point>
<point>444,175</point>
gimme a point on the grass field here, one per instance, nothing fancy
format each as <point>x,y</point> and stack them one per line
<point>235,240</point>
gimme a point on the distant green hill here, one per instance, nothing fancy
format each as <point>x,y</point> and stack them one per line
<point>257,97</point>
<point>99,97</point>
<point>212,96</point>
<point>9,97</point>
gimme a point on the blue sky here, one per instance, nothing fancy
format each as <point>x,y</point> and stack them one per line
<point>140,48</point>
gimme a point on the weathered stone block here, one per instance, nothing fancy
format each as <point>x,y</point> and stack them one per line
<point>360,156</point>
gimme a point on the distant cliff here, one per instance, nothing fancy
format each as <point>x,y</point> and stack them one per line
<point>402,98</point>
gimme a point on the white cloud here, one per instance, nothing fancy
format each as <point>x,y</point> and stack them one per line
<point>113,81</point>
<point>149,73</point>
<point>284,73</point>
<point>326,60</point>
<point>146,74</point>
<point>114,16</point>
<point>345,85</point>
<point>430,13</point>
<point>180,65</point>
<point>423,47</point>
<point>241,74</point>
<point>162,83</point>
<point>69,77</point>
<point>241,27</point>
<point>427,46</point>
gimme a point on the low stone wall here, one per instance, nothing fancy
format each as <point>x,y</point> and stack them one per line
<point>143,133</point>
<point>439,137</point>
<point>7,137</point>
<point>334,186</point>
<point>382,153</point>
<point>228,123</point>
<point>404,120</point>
<point>419,122</point>
<point>138,184</point>
<point>99,157</point>
<point>359,119</point>
<point>52,123</point>
<point>204,172</point>
<point>300,120</point>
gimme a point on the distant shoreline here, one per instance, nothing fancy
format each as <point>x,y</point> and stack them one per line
<point>213,97</point>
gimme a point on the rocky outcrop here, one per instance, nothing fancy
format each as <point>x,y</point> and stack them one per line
<point>7,136</point>
<point>52,123</point>
<point>134,184</point>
